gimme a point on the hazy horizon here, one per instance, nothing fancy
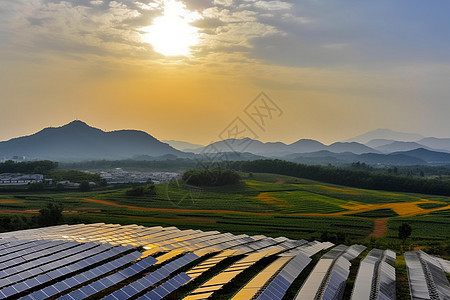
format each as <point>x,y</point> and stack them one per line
<point>162,139</point>
<point>184,70</point>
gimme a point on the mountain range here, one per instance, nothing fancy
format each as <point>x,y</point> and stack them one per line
<point>77,141</point>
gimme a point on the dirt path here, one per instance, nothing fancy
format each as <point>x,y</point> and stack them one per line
<point>16,211</point>
<point>10,201</point>
<point>180,210</point>
<point>380,228</point>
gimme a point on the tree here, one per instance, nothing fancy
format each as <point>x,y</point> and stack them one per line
<point>50,215</point>
<point>84,186</point>
<point>36,186</point>
<point>404,232</point>
<point>211,177</point>
<point>148,190</point>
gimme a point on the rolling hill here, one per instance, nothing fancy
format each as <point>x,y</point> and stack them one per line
<point>279,149</point>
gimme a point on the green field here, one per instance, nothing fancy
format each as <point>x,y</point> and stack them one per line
<point>272,205</point>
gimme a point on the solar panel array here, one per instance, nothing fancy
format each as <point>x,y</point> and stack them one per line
<point>327,279</point>
<point>376,276</point>
<point>426,277</point>
<point>114,262</point>
<point>280,284</point>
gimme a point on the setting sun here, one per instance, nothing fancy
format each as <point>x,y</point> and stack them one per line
<point>172,34</point>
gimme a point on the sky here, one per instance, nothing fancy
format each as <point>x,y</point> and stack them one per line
<point>203,70</point>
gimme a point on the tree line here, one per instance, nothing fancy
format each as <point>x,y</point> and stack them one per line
<point>213,177</point>
<point>28,167</point>
<point>49,215</point>
<point>348,177</point>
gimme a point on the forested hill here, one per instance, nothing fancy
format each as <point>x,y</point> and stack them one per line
<point>353,178</point>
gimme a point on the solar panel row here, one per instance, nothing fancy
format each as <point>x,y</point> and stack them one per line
<point>43,264</point>
<point>280,284</point>
<point>334,288</point>
<point>152,278</point>
<point>376,276</point>
<point>262,279</point>
<point>166,288</point>
<point>327,279</point>
<point>110,280</point>
<point>115,234</point>
<point>11,253</point>
<point>94,273</point>
<point>22,256</point>
<point>63,271</point>
<point>218,281</point>
<point>309,249</point>
<point>427,279</point>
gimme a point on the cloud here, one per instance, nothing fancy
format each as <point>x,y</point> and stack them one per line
<point>223,2</point>
<point>300,33</point>
<point>273,5</point>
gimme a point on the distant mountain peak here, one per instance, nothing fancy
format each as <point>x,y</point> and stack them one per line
<point>386,134</point>
<point>76,123</point>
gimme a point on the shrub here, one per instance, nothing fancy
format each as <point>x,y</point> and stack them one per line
<point>214,177</point>
<point>148,190</point>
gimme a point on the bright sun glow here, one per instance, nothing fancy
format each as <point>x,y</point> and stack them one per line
<point>172,34</point>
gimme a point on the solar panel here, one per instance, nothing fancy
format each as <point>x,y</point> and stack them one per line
<point>327,279</point>
<point>336,282</point>
<point>426,276</point>
<point>113,279</point>
<point>284,279</point>
<point>166,288</point>
<point>154,277</point>
<point>33,247</point>
<point>64,250</point>
<point>77,280</point>
<point>376,276</point>
<point>63,271</point>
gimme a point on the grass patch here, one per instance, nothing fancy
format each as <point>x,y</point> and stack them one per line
<point>377,213</point>
<point>431,205</point>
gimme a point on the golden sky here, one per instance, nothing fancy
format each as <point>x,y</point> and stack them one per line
<point>184,70</point>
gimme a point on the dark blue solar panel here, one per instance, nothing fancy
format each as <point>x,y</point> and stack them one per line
<point>20,287</point>
<point>146,282</point>
<point>62,271</point>
<point>167,287</point>
<point>115,278</point>
<point>98,286</point>
<point>81,278</point>
<point>280,284</point>
<point>44,262</point>
<point>130,290</point>
<point>31,248</point>
<point>61,286</point>
<point>9,291</point>
<point>77,294</point>
<point>19,247</point>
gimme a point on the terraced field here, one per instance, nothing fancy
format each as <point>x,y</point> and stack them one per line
<point>267,204</point>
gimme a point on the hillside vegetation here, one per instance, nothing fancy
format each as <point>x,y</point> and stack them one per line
<point>347,177</point>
